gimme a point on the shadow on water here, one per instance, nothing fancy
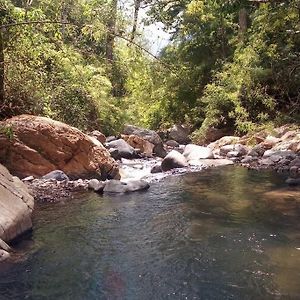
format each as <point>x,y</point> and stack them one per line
<point>226,233</point>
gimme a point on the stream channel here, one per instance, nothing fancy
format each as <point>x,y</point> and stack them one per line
<point>226,233</point>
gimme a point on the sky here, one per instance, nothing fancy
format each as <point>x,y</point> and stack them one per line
<point>157,37</point>
<point>154,33</point>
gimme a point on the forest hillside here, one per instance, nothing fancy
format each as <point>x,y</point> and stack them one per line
<point>231,64</point>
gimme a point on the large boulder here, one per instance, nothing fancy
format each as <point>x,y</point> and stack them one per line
<point>16,206</point>
<point>150,136</point>
<point>194,152</point>
<point>39,145</point>
<point>137,142</point>
<point>180,134</point>
<point>123,149</point>
<point>173,160</point>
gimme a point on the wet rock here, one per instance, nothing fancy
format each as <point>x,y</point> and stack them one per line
<point>96,185</point>
<point>173,160</point>
<point>156,169</point>
<point>149,135</point>
<point>180,134</point>
<point>194,152</point>
<point>4,255</point>
<point>123,148</point>
<point>56,175</point>
<point>130,185</point>
<point>41,145</point>
<point>293,181</point>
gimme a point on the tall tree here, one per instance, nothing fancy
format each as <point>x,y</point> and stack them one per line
<point>137,5</point>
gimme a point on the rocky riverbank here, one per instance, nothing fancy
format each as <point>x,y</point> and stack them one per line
<point>55,161</point>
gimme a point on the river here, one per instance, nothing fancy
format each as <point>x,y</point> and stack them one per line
<point>227,233</point>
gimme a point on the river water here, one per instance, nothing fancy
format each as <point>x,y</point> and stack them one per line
<point>225,233</point>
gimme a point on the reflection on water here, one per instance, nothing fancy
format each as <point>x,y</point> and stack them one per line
<point>222,234</point>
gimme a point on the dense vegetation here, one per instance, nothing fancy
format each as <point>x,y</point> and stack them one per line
<point>229,64</point>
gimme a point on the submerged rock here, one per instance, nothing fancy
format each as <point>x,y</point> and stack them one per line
<point>96,185</point>
<point>130,185</point>
<point>173,160</point>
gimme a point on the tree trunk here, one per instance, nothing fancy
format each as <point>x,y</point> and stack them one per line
<point>243,24</point>
<point>2,92</point>
<point>137,4</point>
<point>111,30</point>
<point>63,19</point>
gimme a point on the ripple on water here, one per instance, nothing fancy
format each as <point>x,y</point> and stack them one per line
<point>209,235</point>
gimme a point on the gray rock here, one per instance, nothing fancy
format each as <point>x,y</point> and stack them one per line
<point>287,153</point>
<point>150,136</point>
<point>233,154</point>
<point>293,181</point>
<point>179,134</point>
<point>4,255</point>
<point>294,170</point>
<point>295,162</point>
<point>172,143</point>
<point>57,175</point>
<point>156,169</point>
<point>111,138</point>
<point>194,152</point>
<point>236,150</point>
<point>96,185</point>
<point>257,150</point>
<point>248,159</point>
<point>123,148</point>
<point>130,185</point>
<point>173,160</point>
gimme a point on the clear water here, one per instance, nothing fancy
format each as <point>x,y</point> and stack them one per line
<point>222,234</point>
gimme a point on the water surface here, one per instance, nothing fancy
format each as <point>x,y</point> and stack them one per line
<point>225,233</point>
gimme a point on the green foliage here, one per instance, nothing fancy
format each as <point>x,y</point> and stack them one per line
<point>214,72</point>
